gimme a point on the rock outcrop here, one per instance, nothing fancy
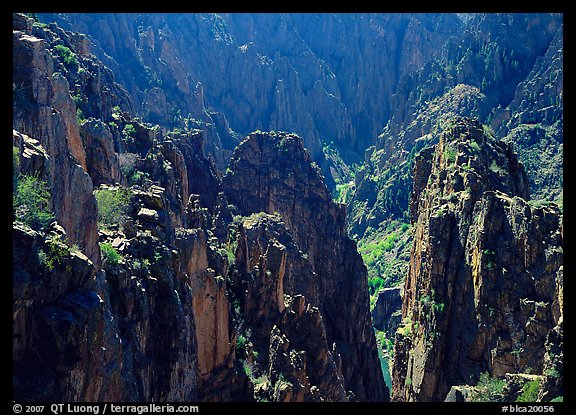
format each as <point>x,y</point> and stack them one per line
<point>272,172</point>
<point>534,123</point>
<point>159,278</point>
<point>485,73</point>
<point>55,302</point>
<point>302,73</point>
<point>44,111</point>
<point>387,312</point>
<point>485,272</point>
<point>284,346</point>
<point>149,284</point>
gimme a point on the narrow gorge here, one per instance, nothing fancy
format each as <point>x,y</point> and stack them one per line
<point>287,207</point>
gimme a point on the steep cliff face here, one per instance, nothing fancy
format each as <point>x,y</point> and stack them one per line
<point>282,337</point>
<point>140,284</point>
<point>158,69</point>
<point>272,172</point>
<point>485,270</point>
<point>386,313</point>
<point>91,329</point>
<point>44,111</point>
<point>534,123</point>
<point>484,73</point>
<point>382,188</point>
<point>54,301</point>
<point>150,276</point>
<point>303,73</point>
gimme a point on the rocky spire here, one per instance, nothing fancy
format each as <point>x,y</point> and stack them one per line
<point>484,269</point>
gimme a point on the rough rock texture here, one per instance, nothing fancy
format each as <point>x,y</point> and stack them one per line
<point>387,313</point>
<point>42,109</point>
<point>484,272</point>
<point>383,187</point>
<point>272,172</point>
<point>54,303</point>
<point>303,73</point>
<point>103,163</point>
<point>534,122</point>
<point>122,329</point>
<point>33,159</point>
<point>276,295</point>
<point>483,72</point>
<point>183,301</point>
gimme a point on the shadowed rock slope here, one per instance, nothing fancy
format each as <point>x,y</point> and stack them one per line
<point>133,277</point>
<point>272,172</point>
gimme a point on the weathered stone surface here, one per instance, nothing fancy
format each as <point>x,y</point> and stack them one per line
<point>186,298</point>
<point>214,296</point>
<point>534,122</point>
<point>274,173</point>
<point>485,73</point>
<point>33,159</point>
<point>209,302</point>
<point>54,300</point>
<point>38,92</point>
<point>300,72</point>
<point>387,313</point>
<point>483,271</point>
<point>103,164</point>
<point>288,344</point>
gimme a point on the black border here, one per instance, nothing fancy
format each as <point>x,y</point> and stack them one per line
<point>395,6</point>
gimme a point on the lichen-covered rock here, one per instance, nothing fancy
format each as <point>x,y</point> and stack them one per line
<point>484,269</point>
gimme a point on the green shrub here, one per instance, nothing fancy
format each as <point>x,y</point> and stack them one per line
<point>495,168</point>
<point>450,154</point>
<point>113,205</point>
<point>475,146</point>
<point>55,252</point>
<point>80,117</point>
<point>260,380</point>
<point>488,131</point>
<point>552,372</point>
<point>558,399</point>
<point>231,254</point>
<point>529,392</point>
<point>110,255</point>
<point>31,202</point>
<point>15,166</point>
<point>247,370</point>
<point>241,345</point>
<point>68,57</point>
<point>375,284</point>
<point>380,252</point>
<point>489,389</point>
<point>438,307</point>
<point>129,131</point>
